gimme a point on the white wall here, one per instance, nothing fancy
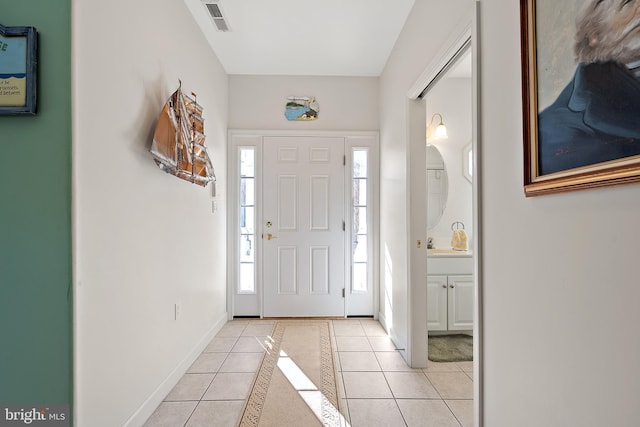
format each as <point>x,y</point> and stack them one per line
<point>143,240</point>
<point>451,97</point>
<point>560,275</point>
<point>429,25</point>
<point>346,103</point>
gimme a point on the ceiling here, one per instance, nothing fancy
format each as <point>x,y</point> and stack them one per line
<point>313,38</point>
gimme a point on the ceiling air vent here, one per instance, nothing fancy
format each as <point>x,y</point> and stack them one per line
<point>216,15</point>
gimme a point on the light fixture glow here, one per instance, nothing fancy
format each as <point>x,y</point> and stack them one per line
<point>440,131</point>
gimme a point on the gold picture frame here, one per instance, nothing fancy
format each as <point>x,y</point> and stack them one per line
<point>596,161</point>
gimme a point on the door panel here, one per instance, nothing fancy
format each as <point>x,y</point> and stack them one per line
<point>287,205</point>
<point>287,270</point>
<point>319,209</point>
<point>319,270</point>
<point>303,239</point>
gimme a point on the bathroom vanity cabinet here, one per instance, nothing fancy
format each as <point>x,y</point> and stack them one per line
<point>450,292</point>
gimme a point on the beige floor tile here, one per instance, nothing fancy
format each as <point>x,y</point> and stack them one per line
<point>353,344</point>
<point>347,321</point>
<point>382,344</point>
<point>251,344</point>
<point>366,385</point>
<point>223,413</point>
<point>426,413</point>
<point>463,410</point>
<point>348,328</point>
<point>358,361</point>
<point>231,329</point>
<point>207,363</point>
<point>241,362</point>
<point>393,361</point>
<point>373,328</point>
<point>221,345</point>
<point>374,412</point>
<point>190,387</point>
<point>466,366</point>
<point>171,414</point>
<point>258,329</point>
<point>230,386</point>
<point>362,349</point>
<point>442,367</point>
<point>410,385</point>
<point>262,322</point>
<point>452,385</point>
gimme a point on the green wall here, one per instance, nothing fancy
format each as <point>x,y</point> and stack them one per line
<point>35,220</point>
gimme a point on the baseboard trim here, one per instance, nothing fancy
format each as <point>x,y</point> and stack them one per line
<point>145,410</point>
<point>383,321</point>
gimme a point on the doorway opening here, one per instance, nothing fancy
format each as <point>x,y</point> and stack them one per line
<point>450,228</point>
<point>463,273</point>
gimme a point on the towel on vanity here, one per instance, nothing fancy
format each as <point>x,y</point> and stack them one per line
<point>459,240</point>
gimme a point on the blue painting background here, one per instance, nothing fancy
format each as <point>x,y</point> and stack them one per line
<point>13,57</point>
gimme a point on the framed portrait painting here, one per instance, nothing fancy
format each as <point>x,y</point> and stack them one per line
<point>581,93</point>
<point>18,70</point>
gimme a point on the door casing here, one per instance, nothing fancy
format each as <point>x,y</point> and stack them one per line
<point>253,304</point>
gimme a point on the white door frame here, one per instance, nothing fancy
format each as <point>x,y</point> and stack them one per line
<point>238,138</point>
<point>417,325</point>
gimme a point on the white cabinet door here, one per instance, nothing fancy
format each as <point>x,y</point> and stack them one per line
<point>437,303</point>
<point>460,302</point>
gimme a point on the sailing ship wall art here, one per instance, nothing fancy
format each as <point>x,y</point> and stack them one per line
<point>178,146</point>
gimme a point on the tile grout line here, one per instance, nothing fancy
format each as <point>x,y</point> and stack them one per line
<point>216,374</point>
<point>395,400</point>
<point>453,413</point>
<point>205,391</point>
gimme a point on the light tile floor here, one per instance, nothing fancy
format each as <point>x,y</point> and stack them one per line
<point>378,387</point>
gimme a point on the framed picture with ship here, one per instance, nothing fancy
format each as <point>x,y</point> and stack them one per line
<point>581,94</point>
<point>18,70</point>
<point>301,108</point>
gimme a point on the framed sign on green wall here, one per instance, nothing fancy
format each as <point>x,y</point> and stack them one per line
<point>18,70</point>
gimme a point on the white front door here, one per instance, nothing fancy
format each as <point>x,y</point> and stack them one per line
<point>303,236</point>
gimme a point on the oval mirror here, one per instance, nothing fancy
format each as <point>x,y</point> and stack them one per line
<point>437,186</point>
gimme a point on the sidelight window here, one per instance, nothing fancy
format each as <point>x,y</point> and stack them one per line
<point>360,227</point>
<point>247,221</point>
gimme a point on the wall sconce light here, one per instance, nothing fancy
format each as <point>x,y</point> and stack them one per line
<point>440,131</point>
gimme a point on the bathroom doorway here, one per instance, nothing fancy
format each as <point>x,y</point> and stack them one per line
<point>450,231</point>
<point>464,165</point>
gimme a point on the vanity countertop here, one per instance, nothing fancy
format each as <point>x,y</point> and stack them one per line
<point>448,253</point>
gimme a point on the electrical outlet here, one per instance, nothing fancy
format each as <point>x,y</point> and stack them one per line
<point>176,311</point>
